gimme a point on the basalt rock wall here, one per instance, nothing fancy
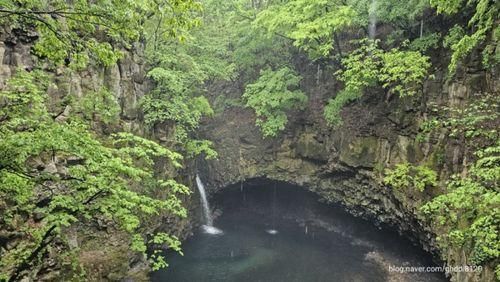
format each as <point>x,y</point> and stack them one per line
<point>345,165</point>
<point>103,250</point>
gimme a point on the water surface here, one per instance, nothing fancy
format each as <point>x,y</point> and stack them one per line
<point>282,233</point>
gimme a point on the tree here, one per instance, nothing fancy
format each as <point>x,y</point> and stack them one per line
<point>274,93</point>
<point>180,70</point>
<point>482,25</point>
<point>57,174</point>
<point>312,25</point>
<point>72,33</point>
<point>398,71</point>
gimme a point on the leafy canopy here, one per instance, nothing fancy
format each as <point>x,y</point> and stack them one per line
<point>481,26</point>
<point>274,93</point>
<point>310,24</point>
<point>58,174</point>
<point>399,71</point>
<point>75,32</point>
<point>180,72</point>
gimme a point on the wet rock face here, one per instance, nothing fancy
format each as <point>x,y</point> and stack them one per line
<point>340,167</point>
<point>105,255</point>
<point>126,79</point>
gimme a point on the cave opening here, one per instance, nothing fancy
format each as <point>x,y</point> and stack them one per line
<point>276,231</point>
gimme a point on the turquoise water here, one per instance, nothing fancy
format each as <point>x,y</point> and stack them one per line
<point>313,242</point>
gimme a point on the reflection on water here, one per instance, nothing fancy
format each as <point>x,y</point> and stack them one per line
<point>282,233</point>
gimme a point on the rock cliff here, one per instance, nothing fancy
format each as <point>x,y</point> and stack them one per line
<point>342,166</point>
<point>346,165</point>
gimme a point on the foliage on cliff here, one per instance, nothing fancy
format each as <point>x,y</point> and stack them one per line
<point>335,34</point>
<point>271,95</point>
<point>481,28</point>
<point>468,212</point>
<point>396,60</point>
<point>405,176</point>
<point>78,32</point>
<point>398,71</point>
<point>56,173</point>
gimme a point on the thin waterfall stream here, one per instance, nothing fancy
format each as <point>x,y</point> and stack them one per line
<point>208,227</point>
<point>273,230</point>
<point>372,13</point>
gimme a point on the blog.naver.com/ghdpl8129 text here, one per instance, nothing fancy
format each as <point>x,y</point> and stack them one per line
<point>444,268</point>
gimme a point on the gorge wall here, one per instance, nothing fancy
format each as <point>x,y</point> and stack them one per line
<point>103,250</point>
<point>346,165</point>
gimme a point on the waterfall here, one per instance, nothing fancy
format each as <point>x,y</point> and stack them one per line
<point>273,231</point>
<point>372,12</point>
<point>207,214</point>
